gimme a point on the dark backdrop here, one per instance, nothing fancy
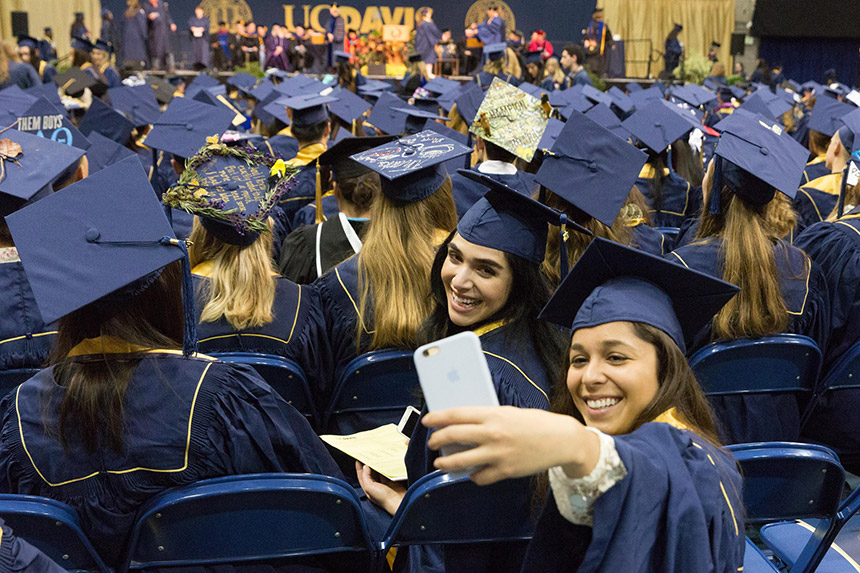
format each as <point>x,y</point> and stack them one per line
<point>807,18</point>
<point>808,58</point>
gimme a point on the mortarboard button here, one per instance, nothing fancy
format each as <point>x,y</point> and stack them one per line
<point>189,126</point>
<point>92,235</point>
<point>764,151</point>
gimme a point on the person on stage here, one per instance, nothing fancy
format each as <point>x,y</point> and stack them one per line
<point>198,26</point>
<point>494,28</point>
<point>427,36</point>
<point>672,50</point>
<point>134,52</point>
<point>335,33</point>
<point>598,40</point>
<point>158,37</point>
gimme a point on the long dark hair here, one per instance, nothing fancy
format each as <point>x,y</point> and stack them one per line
<point>658,162</point>
<point>92,406</point>
<point>530,291</point>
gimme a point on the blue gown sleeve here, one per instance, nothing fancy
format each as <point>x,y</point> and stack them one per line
<point>678,509</point>
<point>18,556</point>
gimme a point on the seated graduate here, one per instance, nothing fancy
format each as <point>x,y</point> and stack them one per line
<point>535,73</point>
<point>28,50</point>
<point>237,309</point>
<point>816,200</point>
<point>631,445</point>
<point>588,174</point>
<point>179,132</point>
<point>487,279</point>
<point>18,556</point>
<point>816,167</point>
<point>416,75</point>
<point>781,289</point>
<point>16,73</point>
<point>312,250</point>
<point>500,62</point>
<point>82,50</point>
<point>348,76</point>
<point>25,340</point>
<point>499,147</point>
<point>126,408</point>
<point>671,198</point>
<point>378,298</point>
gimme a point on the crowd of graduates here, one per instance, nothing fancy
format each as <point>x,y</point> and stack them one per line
<point>592,240</point>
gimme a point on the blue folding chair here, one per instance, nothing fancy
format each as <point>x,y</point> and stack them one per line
<point>823,545</point>
<point>373,390</point>
<point>782,367</point>
<point>671,234</point>
<point>439,508</point>
<point>258,518</point>
<point>755,561</point>
<point>10,379</point>
<point>834,419</point>
<point>285,376</point>
<point>787,481</point>
<point>53,528</point>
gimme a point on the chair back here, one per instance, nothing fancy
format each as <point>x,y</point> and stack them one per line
<point>284,376</point>
<point>251,518</point>
<point>783,480</point>
<point>373,390</point>
<point>52,527</point>
<point>439,508</point>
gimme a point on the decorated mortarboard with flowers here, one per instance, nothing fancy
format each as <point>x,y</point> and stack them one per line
<point>138,104</point>
<point>412,167</point>
<point>512,119</point>
<point>232,190</point>
<point>616,283</point>
<point>45,120</point>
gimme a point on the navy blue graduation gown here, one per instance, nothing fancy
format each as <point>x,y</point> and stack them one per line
<point>25,341</point>
<point>467,192</point>
<point>199,46</point>
<point>22,75</point>
<point>650,240</point>
<point>161,179</point>
<point>112,77</point>
<point>680,200</point>
<point>158,38</point>
<point>301,193</point>
<point>18,556</point>
<point>815,169</point>
<point>548,84</point>
<point>134,39</point>
<point>189,418</point>
<point>282,146</point>
<point>816,200</point>
<point>836,247</point>
<point>677,510</point>
<point>521,381</point>
<point>307,215</point>
<point>760,417</point>
<point>427,35</point>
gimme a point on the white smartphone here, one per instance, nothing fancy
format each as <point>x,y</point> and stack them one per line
<point>453,373</point>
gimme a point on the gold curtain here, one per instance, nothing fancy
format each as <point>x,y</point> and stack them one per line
<point>56,14</point>
<point>704,21</point>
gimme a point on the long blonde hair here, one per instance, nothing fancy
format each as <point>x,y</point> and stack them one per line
<point>747,251</point>
<point>552,69</point>
<point>394,266</point>
<point>242,282</point>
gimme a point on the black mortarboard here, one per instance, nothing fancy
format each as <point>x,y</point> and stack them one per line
<point>74,81</point>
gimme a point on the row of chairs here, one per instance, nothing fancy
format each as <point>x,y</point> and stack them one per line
<point>792,490</point>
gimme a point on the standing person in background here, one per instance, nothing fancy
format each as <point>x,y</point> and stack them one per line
<point>713,52</point>
<point>134,37</point>
<point>198,26</point>
<point>78,27</point>
<point>494,28</point>
<point>761,73</point>
<point>427,35</point>
<point>672,50</point>
<point>598,40</point>
<point>158,35</point>
<point>223,43</point>
<point>108,31</point>
<point>335,33</point>
<point>47,47</point>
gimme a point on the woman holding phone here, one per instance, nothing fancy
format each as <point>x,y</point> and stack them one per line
<point>630,444</point>
<point>487,278</point>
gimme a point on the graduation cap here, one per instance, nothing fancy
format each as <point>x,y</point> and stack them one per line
<point>341,57</point>
<point>634,87</point>
<point>232,195</point>
<point>591,168</point>
<point>532,89</point>
<point>562,98</point>
<point>449,98</point>
<point>340,135</point>
<point>580,104</point>
<point>469,101</point>
<point>430,104</point>
<point>621,100</point>
<point>507,220</point>
<point>753,158</point>
<point>595,95</point>
<point>604,117</point>
<point>510,118</point>
<point>348,107</point>
<point>693,95</point>
<point>108,235</point>
<point>826,113</point>
<point>185,125</point>
<point>384,117</point>
<point>534,57</point>
<point>200,82</point>
<point>25,41</point>
<point>550,134</point>
<point>338,156</point>
<point>411,167</point>
<point>615,283</point>
<point>104,152</point>
<point>137,103</point>
<point>766,103</point>
<point>308,110</point>
<point>261,91</point>
<point>416,118</point>
<point>47,91</point>
<point>45,120</point>
<point>103,45</point>
<point>102,118</point>
<point>642,97</point>
<point>656,126</point>
<point>811,86</point>
<point>243,81</point>
<point>693,115</point>
<point>300,85</point>
<point>74,81</point>
<point>495,51</point>
<point>267,117</point>
<point>414,57</point>
<point>849,133</point>
<point>13,103</point>
<point>217,96</point>
<point>40,163</point>
<point>371,85</point>
<point>163,89</point>
<point>81,43</point>
<point>710,83</point>
<point>440,85</point>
